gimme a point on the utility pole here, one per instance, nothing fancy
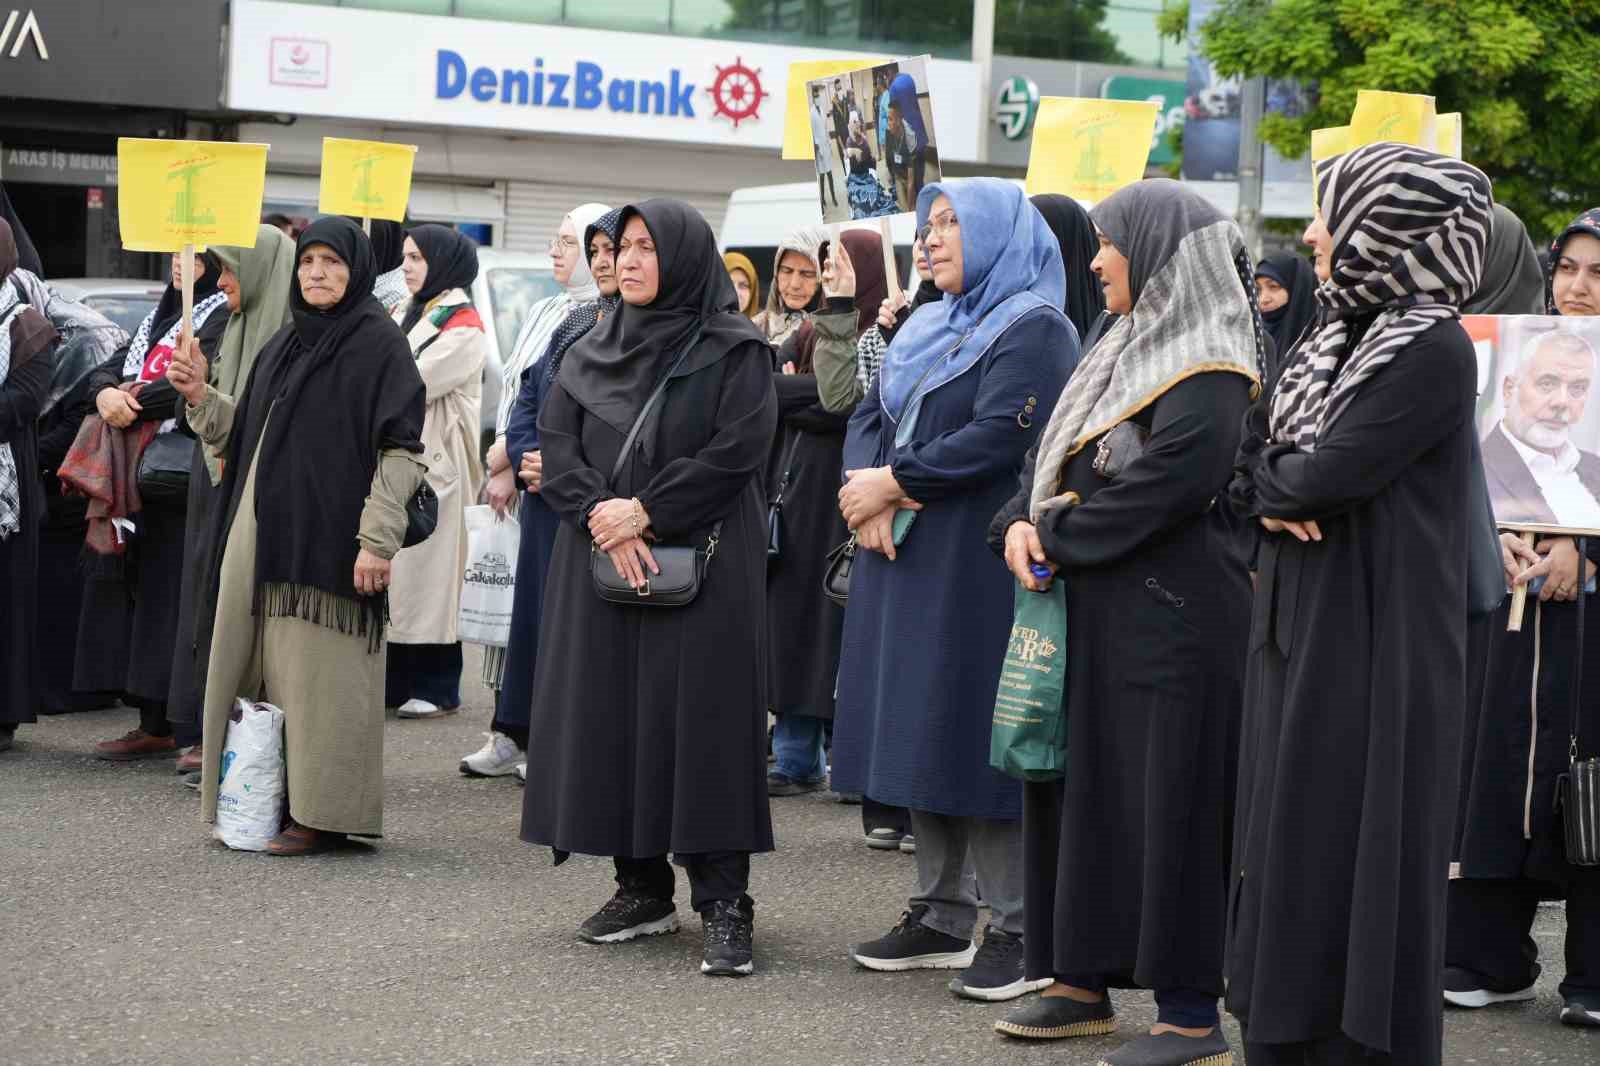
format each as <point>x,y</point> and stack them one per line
<point>1252,105</point>
<point>983,56</point>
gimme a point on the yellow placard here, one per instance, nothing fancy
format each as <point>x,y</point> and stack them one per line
<point>1326,143</point>
<point>1448,131</point>
<point>1088,148</point>
<point>1384,116</point>
<point>175,193</point>
<point>367,179</point>
<point>796,121</point>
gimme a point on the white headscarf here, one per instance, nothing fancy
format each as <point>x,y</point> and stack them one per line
<point>777,321</point>
<point>546,315</point>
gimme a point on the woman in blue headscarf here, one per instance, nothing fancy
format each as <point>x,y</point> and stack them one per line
<point>941,435</point>
<point>903,94</point>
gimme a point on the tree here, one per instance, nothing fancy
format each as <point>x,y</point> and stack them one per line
<point>1525,74</point>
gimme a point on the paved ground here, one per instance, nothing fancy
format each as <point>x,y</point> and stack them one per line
<point>126,936</point>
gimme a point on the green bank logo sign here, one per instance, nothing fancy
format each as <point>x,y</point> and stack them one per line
<point>1015,105</point>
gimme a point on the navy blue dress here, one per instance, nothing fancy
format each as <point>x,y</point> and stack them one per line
<point>539,525</point>
<point>924,635</point>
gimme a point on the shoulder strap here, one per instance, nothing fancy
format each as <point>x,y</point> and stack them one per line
<point>649,405</point>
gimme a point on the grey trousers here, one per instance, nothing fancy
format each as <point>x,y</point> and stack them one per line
<point>950,851</point>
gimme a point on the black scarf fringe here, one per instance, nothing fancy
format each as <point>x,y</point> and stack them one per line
<point>322,608</point>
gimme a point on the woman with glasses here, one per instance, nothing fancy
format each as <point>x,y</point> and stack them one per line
<point>939,439</point>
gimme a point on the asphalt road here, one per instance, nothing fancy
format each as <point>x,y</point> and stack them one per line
<point>128,936</point>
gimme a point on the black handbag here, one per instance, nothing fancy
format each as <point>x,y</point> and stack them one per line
<point>775,508</point>
<point>1578,790</point>
<point>1120,446</point>
<point>164,468</point>
<point>683,569</point>
<point>422,515</point>
<point>836,578</point>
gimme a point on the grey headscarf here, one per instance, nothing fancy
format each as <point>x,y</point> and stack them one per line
<point>1512,282</point>
<point>1193,311</point>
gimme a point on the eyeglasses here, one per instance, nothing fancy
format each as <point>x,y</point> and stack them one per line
<point>563,244</point>
<point>943,225</point>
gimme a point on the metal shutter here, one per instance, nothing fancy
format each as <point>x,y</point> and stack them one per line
<point>535,209</point>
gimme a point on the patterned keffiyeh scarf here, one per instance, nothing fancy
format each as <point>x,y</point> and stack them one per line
<point>1409,229</point>
<point>147,360</point>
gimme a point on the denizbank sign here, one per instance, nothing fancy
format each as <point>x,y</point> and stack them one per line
<point>339,62</point>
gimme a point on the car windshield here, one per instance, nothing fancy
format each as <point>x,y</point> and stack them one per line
<point>513,290</point>
<point>125,309</point>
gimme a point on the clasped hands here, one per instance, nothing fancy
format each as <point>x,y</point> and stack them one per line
<point>619,528</point>
<point>1553,558</point>
<point>868,500</point>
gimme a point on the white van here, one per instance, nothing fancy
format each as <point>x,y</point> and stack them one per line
<point>760,215</point>
<point>508,284</point>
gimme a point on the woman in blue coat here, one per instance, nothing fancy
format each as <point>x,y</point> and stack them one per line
<point>964,388</point>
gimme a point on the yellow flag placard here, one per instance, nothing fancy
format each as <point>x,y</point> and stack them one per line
<point>796,120</point>
<point>1088,148</point>
<point>175,193</point>
<point>1384,116</point>
<point>1326,143</point>
<point>1448,129</point>
<point>367,179</point>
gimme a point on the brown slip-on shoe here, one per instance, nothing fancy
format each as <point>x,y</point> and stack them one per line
<point>296,839</point>
<point>190,761</point>
<point>134,744</point>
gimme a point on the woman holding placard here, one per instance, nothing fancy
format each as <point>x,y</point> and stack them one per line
<point>1127,857</point>
<point>447,339</point>
<point>321,450</point>
<point>135,399</point>
<point>1510,847</point>
<point>965,386</point>
<point>1357,468</point>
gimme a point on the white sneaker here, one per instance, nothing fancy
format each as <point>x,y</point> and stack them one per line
<point>497,758</point>
<point>415,708</point>
<point>522,772</point>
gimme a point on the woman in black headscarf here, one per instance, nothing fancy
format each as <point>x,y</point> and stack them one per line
<point>131,395</point>
<point>1286,292</point>
<point>27,357</point>
<point>637,749</point>
<point>1086,297</point>
<point>388,259</point>
<point>321,451</point>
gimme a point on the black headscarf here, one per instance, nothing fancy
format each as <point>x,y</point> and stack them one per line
<point>452,259</point>
<point>1285,324</point>
<point>341,386</point>
<point>1589,223</point>
<point>1513,281</point>
<point>1067,219</point>
<point>615,367</point>
<point>388,244</point>
<point>27,255</point>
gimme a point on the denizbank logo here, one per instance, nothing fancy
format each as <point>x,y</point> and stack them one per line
<point>735,92</point>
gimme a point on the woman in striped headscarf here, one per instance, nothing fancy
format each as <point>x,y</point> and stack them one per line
<point>1356,468</point>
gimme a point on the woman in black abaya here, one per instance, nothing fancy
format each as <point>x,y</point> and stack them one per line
<point>1286,293</point>
<point>637,749</point>
<point>1357,467</point>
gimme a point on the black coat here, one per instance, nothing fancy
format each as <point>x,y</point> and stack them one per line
<point>21,397</point>
<point>803,625</point>
<point>1127,858</point>
<point>648,729</point>
<point>1352,721</point>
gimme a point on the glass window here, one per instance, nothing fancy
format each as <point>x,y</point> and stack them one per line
<point>125,310</point>
<point>513,290</point>
<point>510,10</point>
<point>1089,31</point>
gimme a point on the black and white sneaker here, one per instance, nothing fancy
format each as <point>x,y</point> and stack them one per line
<point>1577,1012</point>
<point>628,914</point>
<point>729,930</point>
<point>910,945</point>
<point>882,839</point>
<point>1464,988</point>
<point>996,973</point>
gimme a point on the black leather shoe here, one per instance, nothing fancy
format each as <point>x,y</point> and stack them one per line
<point>1058,1017</point>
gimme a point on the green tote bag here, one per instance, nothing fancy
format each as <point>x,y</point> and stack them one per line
<point>1028,739</point>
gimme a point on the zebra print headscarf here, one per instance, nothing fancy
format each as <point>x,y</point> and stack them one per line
<point>1410,229</point>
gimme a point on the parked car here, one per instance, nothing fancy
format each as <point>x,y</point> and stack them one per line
<point>126,301</point>
<point>508,284</point>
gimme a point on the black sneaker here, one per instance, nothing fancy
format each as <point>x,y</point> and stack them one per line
<point>1464,988</point>
<point>911,945</point>
<point>783,785</point>
<point>628,914</point>
<point>996,973</point>
<point>1058,1017</point>
<point>1579,1012</point>
<point>1172,1049</point>
<point>729,938</point>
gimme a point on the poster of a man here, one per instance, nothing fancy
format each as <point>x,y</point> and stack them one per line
<point>872,132</point>
<point>1541,437</point>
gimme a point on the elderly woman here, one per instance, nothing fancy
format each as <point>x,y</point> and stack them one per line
<point>796,289</point>
<point>447,339</point>
<point>965,386</point>
<point>653,436</point>
<point>1357,466</point>
<point>321,450</point>
<point>27,357</point>
<point>1127,856</point>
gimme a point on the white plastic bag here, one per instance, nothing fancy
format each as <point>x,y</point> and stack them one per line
<point>252,790</point>
<point>489,585</point>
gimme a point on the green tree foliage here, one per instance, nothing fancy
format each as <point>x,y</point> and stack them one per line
<point>1055,29</point>
<point>1525,74</point>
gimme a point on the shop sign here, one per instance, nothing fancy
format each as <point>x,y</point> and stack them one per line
<point>1166,94</point>
<point>29,28</point>
<point>55,166</point>
<point>1015,106</point>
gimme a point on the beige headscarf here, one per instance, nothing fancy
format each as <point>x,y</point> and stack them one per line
<point>777,321</point>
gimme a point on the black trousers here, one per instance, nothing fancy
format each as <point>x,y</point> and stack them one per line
<point>713,876</point>
<point>875,815</point>
<point>429,672</point>
<point>1334,1051</point>
<point>1490,923</point>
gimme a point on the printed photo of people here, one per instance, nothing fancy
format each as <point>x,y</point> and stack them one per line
<point>872,134</point>
<point>1541,436</point>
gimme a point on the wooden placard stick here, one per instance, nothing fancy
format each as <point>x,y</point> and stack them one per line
<point>366,225</point>
<point>186,276</point>
<point>1519,598</point>
<point>891,272</point>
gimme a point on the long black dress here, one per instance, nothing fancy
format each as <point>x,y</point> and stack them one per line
<point>1352,722</point>
<point>1127,855</point>
<point>803,625</point>
<point>21,397</point>
<point>648,731</point>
